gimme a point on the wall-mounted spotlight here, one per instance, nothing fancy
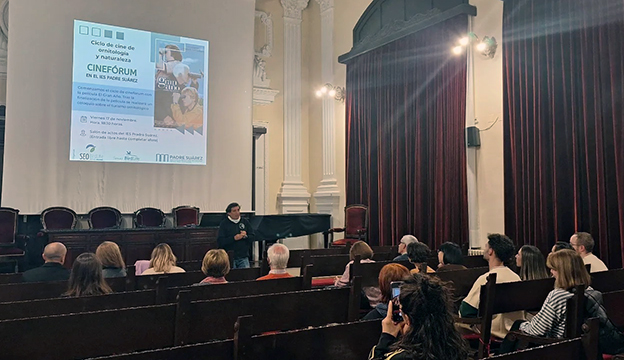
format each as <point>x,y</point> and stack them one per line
<point>487,46</point>
<point>329,90</point>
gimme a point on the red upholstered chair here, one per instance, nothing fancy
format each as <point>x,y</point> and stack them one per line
<point>356,226</point>
<point>58,218</point>
<point>149,217</point>
<point>104,217</point>
<point>8,232</point>
<point>185,215</point>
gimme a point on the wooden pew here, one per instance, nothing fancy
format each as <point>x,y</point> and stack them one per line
<point>241,288</point>
<point>328,265</point>
<point>613,304</point>
<point>351,341</point>
<point>469,261</point>
<point>461,281</point>
<point>608,281</point>
<point>46,290</point>
<point>58,306</point>
<point>152,327</point>
<point>299,310</point>
<point>146,282</point>
<point>582,347</point>
<point>10,278</point>
<point>296,257</point>
<point>517,296</point>
<point>369,272</point>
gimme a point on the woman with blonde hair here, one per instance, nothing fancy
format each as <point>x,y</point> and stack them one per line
<point>215,266</point>
<point>86,277</point>
<point>112,263</point>
<point>162,261</point>
<point>373,294</point>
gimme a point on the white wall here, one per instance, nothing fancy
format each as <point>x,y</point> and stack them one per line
<point>488,85</point>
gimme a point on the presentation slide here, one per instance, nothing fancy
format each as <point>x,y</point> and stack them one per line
<point>138,96</point>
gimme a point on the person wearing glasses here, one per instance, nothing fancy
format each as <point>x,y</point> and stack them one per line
<point>583,244</point>
<point>405,240</point>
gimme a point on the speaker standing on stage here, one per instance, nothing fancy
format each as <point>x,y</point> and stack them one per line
<point>236,235</point>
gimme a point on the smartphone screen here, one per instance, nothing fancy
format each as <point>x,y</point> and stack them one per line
<point>397,316</point>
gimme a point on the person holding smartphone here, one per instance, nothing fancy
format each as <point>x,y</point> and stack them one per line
<point>425,328</point>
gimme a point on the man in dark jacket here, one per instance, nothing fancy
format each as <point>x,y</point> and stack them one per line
<point>52,270</point>
<point>236,235</point>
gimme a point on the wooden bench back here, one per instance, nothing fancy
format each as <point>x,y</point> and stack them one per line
<point>46,290</point>
<point>461,281</point>
<point>241,288</point>
<point>613,304</point>
<point>369,272</point>
<point>145,282</point>
<point>351,341</point>
<point>152,327</point>
<point>58,306</point>
<point>608,281</point>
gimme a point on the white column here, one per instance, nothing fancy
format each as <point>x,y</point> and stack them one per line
<point>471,153</point>
<point>327,195</point>
<point>293,197</point>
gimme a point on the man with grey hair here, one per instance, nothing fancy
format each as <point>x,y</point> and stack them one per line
<point>583,243</point>
<point>405,240</point>
<point>52,270</point>
<point>278,255</point>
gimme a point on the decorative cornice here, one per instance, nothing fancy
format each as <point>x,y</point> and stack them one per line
<point>395,27</point>
<point>325,4</point>
<point>267,21</point>
<point>293,8</point>
<point>264,96</point>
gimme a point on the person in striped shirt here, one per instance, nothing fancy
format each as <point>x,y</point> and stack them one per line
<point>569,271</point>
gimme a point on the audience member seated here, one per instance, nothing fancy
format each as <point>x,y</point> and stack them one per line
<point>373,294</point>
<point>561,245</point>
<point>388,274</point>
<point>418,254</point>
<point>531,263</point>
<point>450,257</point>
<point>163,261</point>
<point>583,243</point>
<point>405,240</point>
<point>569,271</point>
<point>278,255</point>
<point>52,270</point>
<point>427,330</point>
<point>86,277</point>
<point>215,266</point>
<point>112,263</point>
<point>498,250</point>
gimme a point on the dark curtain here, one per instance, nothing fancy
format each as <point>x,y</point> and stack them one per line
<point>406,113</point>
<point>563,131</point>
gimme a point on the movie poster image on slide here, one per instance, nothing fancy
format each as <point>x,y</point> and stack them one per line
<point>138,96</point>
<point>178,98</point>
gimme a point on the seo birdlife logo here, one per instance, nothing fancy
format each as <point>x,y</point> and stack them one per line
<point>89,154</point>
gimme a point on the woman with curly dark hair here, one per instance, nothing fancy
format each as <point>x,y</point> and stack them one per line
<point>427,330</point>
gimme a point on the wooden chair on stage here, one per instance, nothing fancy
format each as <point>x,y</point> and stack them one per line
<point>185,216</point>
<point>356,227</point>
<point>149,217</point>
<point>104,217</point>
<point>58,218</point>
<point>9,251</point>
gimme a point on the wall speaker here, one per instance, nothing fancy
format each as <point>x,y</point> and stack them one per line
<point>473,139</point>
